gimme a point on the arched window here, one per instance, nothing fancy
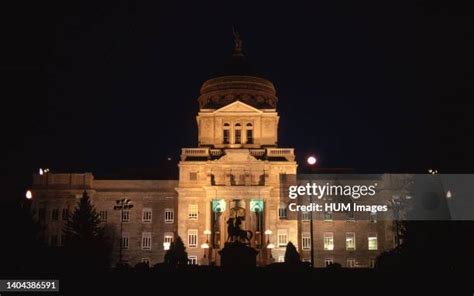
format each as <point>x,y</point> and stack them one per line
<point>249,131</point>
<point>226,133</point>
<point>282,211</point>
<point>238,133</point>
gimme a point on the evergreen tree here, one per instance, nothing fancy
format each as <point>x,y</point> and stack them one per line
<point>291,254</point>
<point>86,244</point>
<point>177,256</point>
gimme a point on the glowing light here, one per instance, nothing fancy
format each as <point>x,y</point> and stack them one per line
<point>270,246</point>
<point>29,195</point>
<point>166,246</point>
<point>41,171</point>
<point>268,232</point>
<point>205,246</point>
<point>449,194</point>
<point>311,160</point>
<point>207,232</point>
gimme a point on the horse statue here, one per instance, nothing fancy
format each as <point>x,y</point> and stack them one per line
<point>235,233</point>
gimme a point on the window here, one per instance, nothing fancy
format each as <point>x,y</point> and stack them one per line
<point>305,216</point>
<point>42,214</point>
<point>193,176</point>
<point>282,211</point>
<point>146,261</point>
<point>192,238</point>
<point>371,263</point>
<point>238,133</point>
<point>372,241</point>
<point>350,241</point>
<point>169,237</point>
<point>350,263</point>
<point>327,216</point>
<point>125,216</point>
<point>169,216</point>
<point>192,260</point>
<point>146,215</point>
<point>281,258</point>
<point>103,216</point>
<point>328,241</point>
<point>146,240</point>
<point>193,212</point>
<point>328,261</point>
<point>65,214</point>
<point>373,217</point>
<point>249,133</point>
<point>54,240</point>
<point>124,241</point>
<point>282,238</point>
<point>55,214</point>
<point>306,238</point>
<point>226,133</point>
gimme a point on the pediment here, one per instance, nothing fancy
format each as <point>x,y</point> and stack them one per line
<point>238,107</point>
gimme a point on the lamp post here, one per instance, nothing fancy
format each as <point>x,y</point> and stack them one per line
<point>121,205</point>
<point>311,162</point>
<point>270,246</point>
<point>207,232</point>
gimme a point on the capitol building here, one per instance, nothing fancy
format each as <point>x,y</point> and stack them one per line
<point>236,166</point>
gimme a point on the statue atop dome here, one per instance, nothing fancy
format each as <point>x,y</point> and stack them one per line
<point>237,42</point>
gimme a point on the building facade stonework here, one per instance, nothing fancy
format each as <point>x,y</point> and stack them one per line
<point>236,168</point>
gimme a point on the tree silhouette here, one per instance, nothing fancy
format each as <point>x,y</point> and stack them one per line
<point>177,256</point>
<point>86,245</point>
<point>291,254</point>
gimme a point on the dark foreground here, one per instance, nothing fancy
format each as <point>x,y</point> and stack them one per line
<point>201,280</point>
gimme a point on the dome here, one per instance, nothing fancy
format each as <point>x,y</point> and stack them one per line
<point>238,81</point>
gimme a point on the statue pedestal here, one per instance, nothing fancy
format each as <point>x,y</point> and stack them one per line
<point>238,256</point>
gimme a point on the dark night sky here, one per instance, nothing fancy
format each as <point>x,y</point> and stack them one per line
<point>379,86</point>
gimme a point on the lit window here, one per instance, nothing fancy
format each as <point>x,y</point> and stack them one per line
<point>328,241</point>
<point>65,214</point>
<point>193,176</point>
<point>249,133</point>
<point>305,216</point>
<point>282,211</point>
<point>306,238</point>
<point>238,134</point>
<point>125,216</point>
<point>55,214</point>
<point>350,241</point>
<point>281,258</point>
<point>226,133</point>
<point>328,261</point>
<point>146,240</point>
<point>327,216</point>
<point>103,216</point>
<point>192,238</point>
<point>169,216</point>
<point>147,215</point>
<point>193,212</point>
<point>350,263</point>
<point>192,260</point>
<point>282,238</point>
<point>372,241</point>
<point>169,237</point>
<point>124,241</point>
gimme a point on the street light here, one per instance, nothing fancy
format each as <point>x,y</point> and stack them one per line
<point>205,246</point>
<point>121,205</point>
<point>311,161</point>
<point>166,246</point>
<point>29,195</point>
